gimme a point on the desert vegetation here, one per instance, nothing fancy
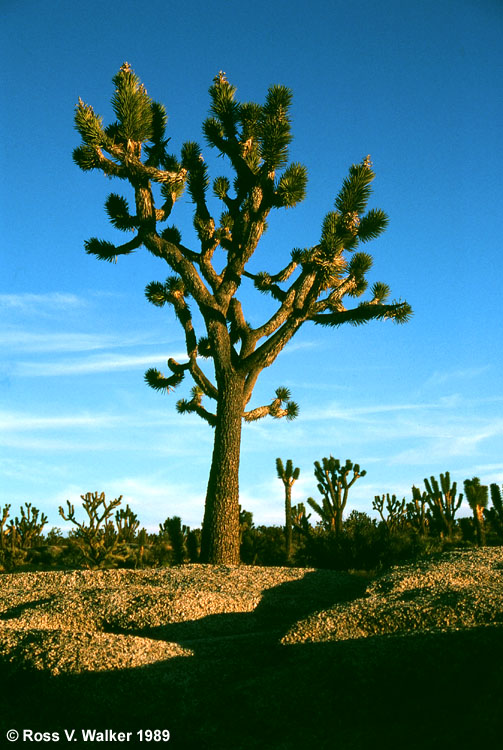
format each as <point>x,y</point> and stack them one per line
<point>113,627</point>
<point>107,535</point>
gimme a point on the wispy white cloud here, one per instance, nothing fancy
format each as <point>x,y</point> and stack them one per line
<point>496,469</point>
<point>128,433</point>
<point>30,341</point>
<point>94,364</point>
<point>297,346</point>
<point>40,304</point>
<point>439,377</point>
<point>20,422</point>
<point>359,413</point>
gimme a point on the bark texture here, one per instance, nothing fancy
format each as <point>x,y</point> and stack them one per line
<point>220,534</point>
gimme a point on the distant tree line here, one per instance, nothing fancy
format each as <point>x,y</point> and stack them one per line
<point>110,536</point>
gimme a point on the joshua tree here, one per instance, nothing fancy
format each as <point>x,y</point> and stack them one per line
<point>495,514</point>
<point>96,538</point>
<point>288,476</point>
<point>417,514</point>
<point>177,533</point>
<point>311,286</point>
<point>127,524</point>
<point>3,521</point>
<point>395,511</point>
<point>477,496</point>
<point>29,527</point>
<point>334,487</point>
<point>443,502</point>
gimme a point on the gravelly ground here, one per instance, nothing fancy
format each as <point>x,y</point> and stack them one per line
<point>458,591</point>
<point>82,621</point>
<point>88,620</point>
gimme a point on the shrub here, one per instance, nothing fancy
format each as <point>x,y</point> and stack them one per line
<point>97,538</point>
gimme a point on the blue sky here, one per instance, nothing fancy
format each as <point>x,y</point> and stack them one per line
<point>417,85</point>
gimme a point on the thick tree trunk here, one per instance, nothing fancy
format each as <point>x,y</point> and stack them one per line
<point>220,533</point>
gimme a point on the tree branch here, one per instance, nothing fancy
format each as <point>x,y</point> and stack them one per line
<point>400,312</point>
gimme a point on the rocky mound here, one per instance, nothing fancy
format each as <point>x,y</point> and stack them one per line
<point>459,590</point>
<point>89,621</point>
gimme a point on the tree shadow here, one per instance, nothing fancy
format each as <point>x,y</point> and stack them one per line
<point>279,608</point>
<point>242,689</point>
<point>18,609</point>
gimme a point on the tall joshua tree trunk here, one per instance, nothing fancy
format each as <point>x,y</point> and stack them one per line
<point>288,476</point>
<point>220,534</point>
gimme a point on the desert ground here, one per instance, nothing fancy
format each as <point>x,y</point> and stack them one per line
<point>248,657</point>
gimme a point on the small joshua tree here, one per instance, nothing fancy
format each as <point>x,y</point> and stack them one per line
<point>417,513</point>
<point>443,502</point>
<point>97,538</point>
<point>396,513</point>
<point>288,476</point>
<point>177,534</point>
<point>3,521</point>
<point>495,513</point>
<point>477,497</point>
<point>29,526</point>
<point>300,520</point>
<point>127,524</point>
<point>334,487</point>
<point>310,286</point>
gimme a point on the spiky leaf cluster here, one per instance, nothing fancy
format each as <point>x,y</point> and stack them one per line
<point>159,294</point>
<point>102,249</point>
<point>476,494</point>
<point>256,139</point>
<point>117,209</point>
<point>156,380</point>
<point>286,472</point>
<point>133,108</point>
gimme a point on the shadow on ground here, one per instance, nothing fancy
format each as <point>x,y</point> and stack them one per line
<point>243,690</point>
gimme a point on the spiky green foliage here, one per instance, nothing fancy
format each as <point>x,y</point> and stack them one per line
<point>117,209</point>
<point>29,526</point>
<point>477,496</point>
<point>279,407</point>
<point>89,125</point>
<point>286,472</point>
<point>288,476</point>
<point>417,515</point>
<point>443,503</point>
<point>156,380</point>
<point>372,225</point>
<point>356,189</point>
<point>156,152</point>
<point>495,513</point>
<point>334,486</point>
<point>3,520</point>
<point>300,520</point>
<point>127,524</point>
<point>391,510</point>
<point>173,530</point>
<point>133,108</point>
<point>104,250</point>
<point>96,537</point>
<point>291,188</point>
<point>172,235</point>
